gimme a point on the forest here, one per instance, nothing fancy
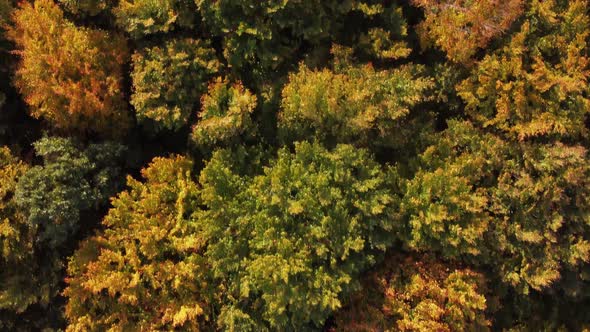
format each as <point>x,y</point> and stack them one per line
<point>294,165</point>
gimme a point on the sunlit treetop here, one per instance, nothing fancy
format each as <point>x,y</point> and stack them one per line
<point>13,244</point>
<point>417,294</point>
<point>69,76</point>
<point>144,17</point>
<point>352,104</point>
<point>146,270</point>
<point>515,207</point>
<point>226,115</point>
<point>289,243</point>
<point>463,27</point>
<point>537,85</point>
<point>169,80</point>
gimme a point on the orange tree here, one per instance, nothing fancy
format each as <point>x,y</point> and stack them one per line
<point>462,27</point>
<point>69,76</point>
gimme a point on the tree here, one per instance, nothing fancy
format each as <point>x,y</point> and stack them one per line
<point>5,9</point>
<point>506,189</point>
<point>87,7</point>
<point>29,274</point>
<point>351,105</point>
<point>285,245</point>
<point>536,86</point>
<point>144,17</point>
<point>168,81</point>
<point>462,27</point>
<point>377,30</point>
<point>410,294</point>
<point>69,76</point>
<point>146,270</point>
<point>71,181</point>
<point>226,115</point>
<point>261,36</point>
<point>16,239</point>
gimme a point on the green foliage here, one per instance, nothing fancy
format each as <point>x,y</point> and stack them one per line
<point>515,206</point>
<point>287,244</point>
<point>146,271</point>
<point>16,239</point>
<point>168,81</point>
<point>70,181</point>
<point>5,10</point>
<point>262,35</point>
<point>507,189</point>
<point>144,17</point>
<point>226,115</point>
<point>385,33</point>
<point>69,76</point>
<point>352,105</point>
<point>87,7</point>
<point>406,294</point>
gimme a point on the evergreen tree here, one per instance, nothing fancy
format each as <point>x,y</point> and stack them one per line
<point>71,180</point>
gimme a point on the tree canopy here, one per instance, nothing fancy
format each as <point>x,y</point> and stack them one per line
<point>355,165</point>
<point>68,75</point>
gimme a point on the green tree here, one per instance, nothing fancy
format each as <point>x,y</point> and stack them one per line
<point>376,30</point>
<point>69,76</point>
<point>144,17</point>
<point>353,104</point>
<point>226,115</point>
<point>146,270</point>
<point>409,294</point>
<point>70,181</point>
<point>87,7</point>
<point>168,81</point>
<point>5,9</point>
<point>287,244</point>
<point>29,274</point>
<point>262,35</point>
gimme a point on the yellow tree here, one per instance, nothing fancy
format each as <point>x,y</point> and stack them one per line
<point>69,76</point>
<point>410,294</point>
<point>146,271</point>
<point>226,115</point>
<point>462,27</point>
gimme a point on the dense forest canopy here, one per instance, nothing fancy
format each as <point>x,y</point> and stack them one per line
<point>294,165</point>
